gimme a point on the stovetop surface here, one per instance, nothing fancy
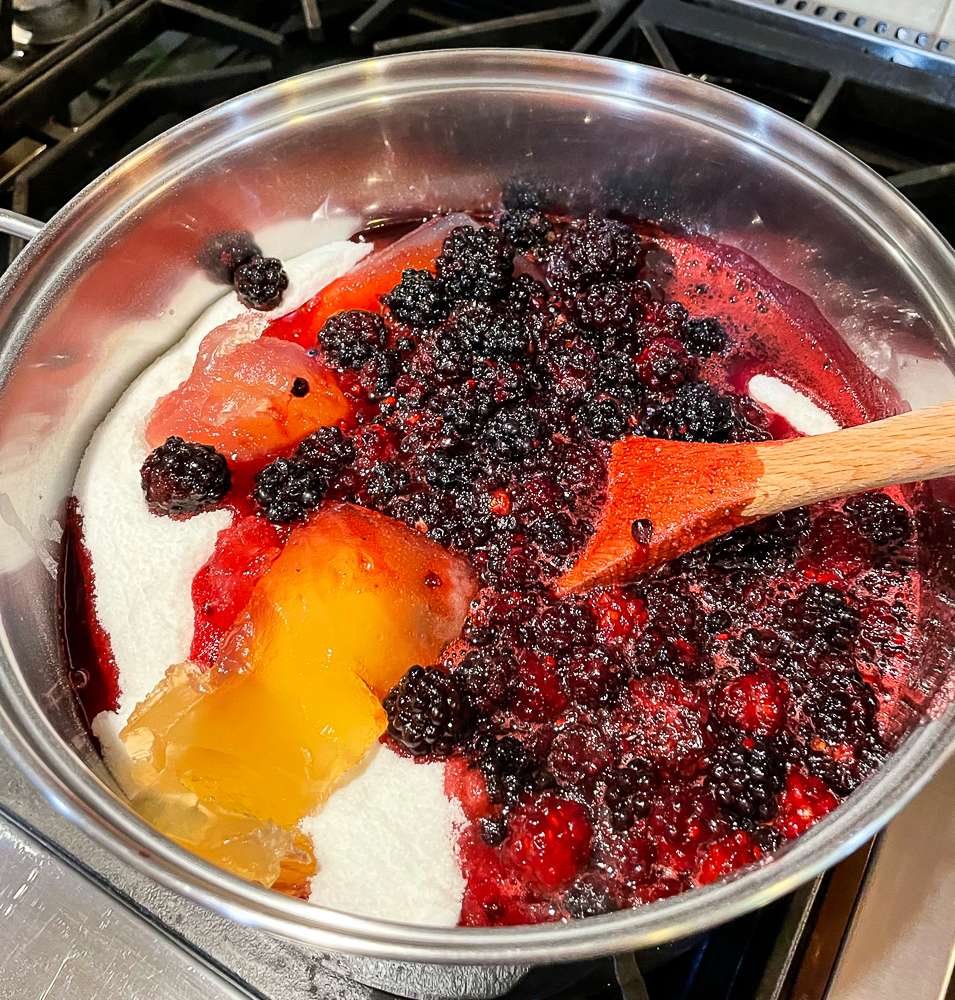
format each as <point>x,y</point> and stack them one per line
<point>876,76</point>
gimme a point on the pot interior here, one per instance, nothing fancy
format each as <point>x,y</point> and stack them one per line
<point>113,281</point>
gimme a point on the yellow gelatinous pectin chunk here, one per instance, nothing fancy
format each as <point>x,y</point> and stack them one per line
<point>352,602</point>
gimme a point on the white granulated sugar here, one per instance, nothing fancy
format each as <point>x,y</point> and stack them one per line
<point>143,565</point>
<point>791,404</point>
<point>385,843</point>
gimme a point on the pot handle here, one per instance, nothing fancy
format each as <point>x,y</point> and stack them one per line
<point>15,224</point>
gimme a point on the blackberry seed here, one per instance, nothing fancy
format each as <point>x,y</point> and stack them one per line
<point>180,478</point>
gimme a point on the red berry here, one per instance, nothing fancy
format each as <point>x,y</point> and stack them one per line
<point>619,616</point>
<point>537,694</point>
<point>630,856</point>
<point>492,897</point>
<point>663,720</point>
<point>466,784</point>
<point>579,755</point>
<point>755,703</point>
<point>804,801</point>
<point>549,841</point>
<point>686,821</point>
<point>728,854</point>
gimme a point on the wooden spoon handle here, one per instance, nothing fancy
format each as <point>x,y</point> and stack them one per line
<point>903,449</point>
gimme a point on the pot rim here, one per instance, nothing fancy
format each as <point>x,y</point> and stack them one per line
<point>29,737</point>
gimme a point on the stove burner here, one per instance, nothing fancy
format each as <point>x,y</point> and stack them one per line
<point>52,21</point>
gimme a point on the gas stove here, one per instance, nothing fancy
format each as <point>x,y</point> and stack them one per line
<point>83,82</point>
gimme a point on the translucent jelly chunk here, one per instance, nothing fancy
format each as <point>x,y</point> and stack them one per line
<point>239,396</point>
<point>353,601</point>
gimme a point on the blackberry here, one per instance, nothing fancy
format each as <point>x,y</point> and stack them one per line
<point>224,252</point>
<point>328,450</point>
<point>513,432</point>
<point>180,478</point>
<point>428,713</point>
<point>260,282</point>
<point>348,339</point>
<point>485,676</point>
<point>824,613</point>
<point>579,755</point>
<point>509,770</point>
<point>704,337</point>
<point>664,364</point>
<point>419,299</point>
<point>841,710</point>
<point>493,830</point>
<point>629,794</point>
<point>387,479</point>
<point>773,540</point>
<point>528,229</point>
<point>491,333</point>
<point>585,899</point>
<point>289,489</point>
<point>592,678</point>
<point>602,418</point>
<point>746,780</point>
<point>591,250</point>
<point>879,518</point>
<point>697,412</point>
<point>475,263</point>
<point>610,305</point>
<point>566,626</point>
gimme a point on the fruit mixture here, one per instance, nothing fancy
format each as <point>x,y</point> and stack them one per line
<point>412,459</point>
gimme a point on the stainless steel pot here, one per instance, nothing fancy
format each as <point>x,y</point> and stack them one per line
<point>112,279</point>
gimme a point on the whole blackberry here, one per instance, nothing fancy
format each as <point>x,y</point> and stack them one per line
<point>591,250</point>
<point>328,450</point>
<point>180,478</point>
<point>697,412</point>
<point>225,251</point>
<point>629,794</point>
<point>485,675</point>
<point>566,626</point>
<point>348,339</point>
<point>879,518</point>
<point>419,299</point>
<point>746,781</point>
<point>428,713</point>
<point>509,770</point>
<point>528,229</point>
<point>475,263</point>
<point>387,479</point>
<point>602,418</point>
<point>289,489</point>
<point>704,337</point>
<point>260,282</point>
<point>513,432</point>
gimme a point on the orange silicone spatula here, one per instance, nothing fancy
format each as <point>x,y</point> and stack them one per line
<point>667,497</point>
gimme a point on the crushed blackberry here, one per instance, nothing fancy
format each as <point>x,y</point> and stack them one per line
<point>418,300</point>
<point>704,337</point>
<point>328,450</point>
<point>585,899</point>
<point>841,710</point>
<point>774,540</point>
<point>180,478</point>
<point>348,339</point>
<point>629,794</point>
<point>475,263</point>
<point>879,518</point>
<point>260,282</point>
<point>386,480</point>
<point>485,676</point>
<point>428,713</point>
<point>825,616</point>
<point>664,364</point>
<point>224,252</point>
<point>746,780</point>
<point>528,229</point>
<point>513,432</point>
<point>509,770</point>
<point>289,489</point>
<point>602,418</point>
<point>591,250</point>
